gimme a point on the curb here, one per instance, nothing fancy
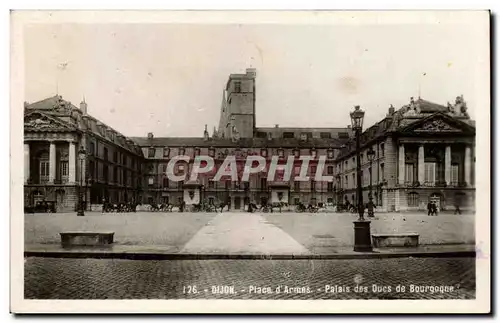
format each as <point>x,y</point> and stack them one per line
<point>178,256</point>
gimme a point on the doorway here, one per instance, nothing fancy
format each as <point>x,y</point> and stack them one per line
<point>237,203</point>
<point>436,198</point>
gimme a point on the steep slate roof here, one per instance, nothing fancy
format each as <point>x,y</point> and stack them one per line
<point>243,142</point>
<point>398,121</point>
<point>48,106</point>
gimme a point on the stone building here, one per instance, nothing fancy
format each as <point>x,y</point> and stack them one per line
<point>238,135</point>
<point>423,152</point>
<point>54,132</point>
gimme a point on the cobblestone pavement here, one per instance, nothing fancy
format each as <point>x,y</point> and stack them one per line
<point>47,278</point>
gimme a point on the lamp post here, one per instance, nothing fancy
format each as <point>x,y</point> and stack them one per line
<point>82,155</point>
<point>371,157</point>
<point>362,237</point>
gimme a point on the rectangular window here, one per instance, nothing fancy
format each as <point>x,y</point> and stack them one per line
<point>64,168</point>
<point>296,153</point>
<point>330,154</point>
<point>263,152</point>
<point>296,186</point>
<point>211,183</point>
<point>313,153</point>
<point>354,180</point>
<point>165,182</point>
<point>105,157</point>
<point>263,183</point>
<point>92,148</point>
<point>330,186</point>
<point>151,152</point>
<point>237,86</point>
<point>430,173</point>
<point>166,152</point>
<point>313,170</point>
<point>329,170</point>
<point>115,156</point>
<point>325,135</point>
<point>346,182</point>
<point>382,173</point>
<point>288,135</point>
<point>409,168</point>
<point>182,151</point>
<point>382,150</point>
<point>281,152</point>
<point>44,170</point>
<point>196,152</point>
<point>313,185</point>
<point>296,200</point>
<point>151,180</point>
<point>296,170</point>
<point>454,173</point>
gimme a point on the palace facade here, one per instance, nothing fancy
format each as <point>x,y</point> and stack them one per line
<point>423,151</point>
<point>55,131</point>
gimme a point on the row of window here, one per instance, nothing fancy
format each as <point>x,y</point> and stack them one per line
<point>303,135</point>
<point>244,185</point>
<point>362,157</point>
<point>364,176</point>
<point>429,172</point>
<point>211,152</point>
<point>116,156</point>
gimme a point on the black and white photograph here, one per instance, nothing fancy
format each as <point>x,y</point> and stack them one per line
<point>250,157</point>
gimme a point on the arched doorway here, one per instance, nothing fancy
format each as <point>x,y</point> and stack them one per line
<point>437,198</point>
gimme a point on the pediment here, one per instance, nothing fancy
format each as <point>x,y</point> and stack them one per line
<point>38,121</point>
<point>438,124</point>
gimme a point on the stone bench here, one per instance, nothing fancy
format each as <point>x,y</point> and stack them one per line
<point>86,238</point>
<point>381,240</point>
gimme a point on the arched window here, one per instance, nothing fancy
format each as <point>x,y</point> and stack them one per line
<point>413,199</point>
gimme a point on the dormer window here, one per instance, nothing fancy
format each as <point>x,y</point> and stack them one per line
<point>196,152</point>
<point>330,153</point>
<point>263,152</point>
<point>166,152</point>
<point>313,153</point>
<point>151,152</point>
<point>296,152</point>
<point>182,151</point>
<point>281,153</point>
<point>211,152</point>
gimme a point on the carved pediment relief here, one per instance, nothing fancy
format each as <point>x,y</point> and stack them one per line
<point>42,122</point>
<point>436,125</point>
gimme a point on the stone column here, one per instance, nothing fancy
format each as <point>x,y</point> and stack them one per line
<point>421,165</point>
<point>72,163</point>
<point>26,162</point>
<point>447,165</point>
<point>401,164</point>
<point>467,165</point>
<point>52,162</point>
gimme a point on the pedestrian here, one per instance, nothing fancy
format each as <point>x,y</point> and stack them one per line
<point>457,208</point>
<point>434,209</point>
<point>370,206</point>
<point>429,208</point>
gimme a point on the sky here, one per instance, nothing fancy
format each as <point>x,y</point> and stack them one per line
<point>168,78</point>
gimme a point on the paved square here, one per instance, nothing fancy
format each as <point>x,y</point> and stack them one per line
<point>246,233</point>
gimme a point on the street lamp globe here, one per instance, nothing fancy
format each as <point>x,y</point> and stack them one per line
<point>357,117</point>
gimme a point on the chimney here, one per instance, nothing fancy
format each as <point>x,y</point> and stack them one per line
<point>83,106</point>
<point>276,125</point>
<point>150,136</point>
<point>391,111</point>
<point>348,126</point>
